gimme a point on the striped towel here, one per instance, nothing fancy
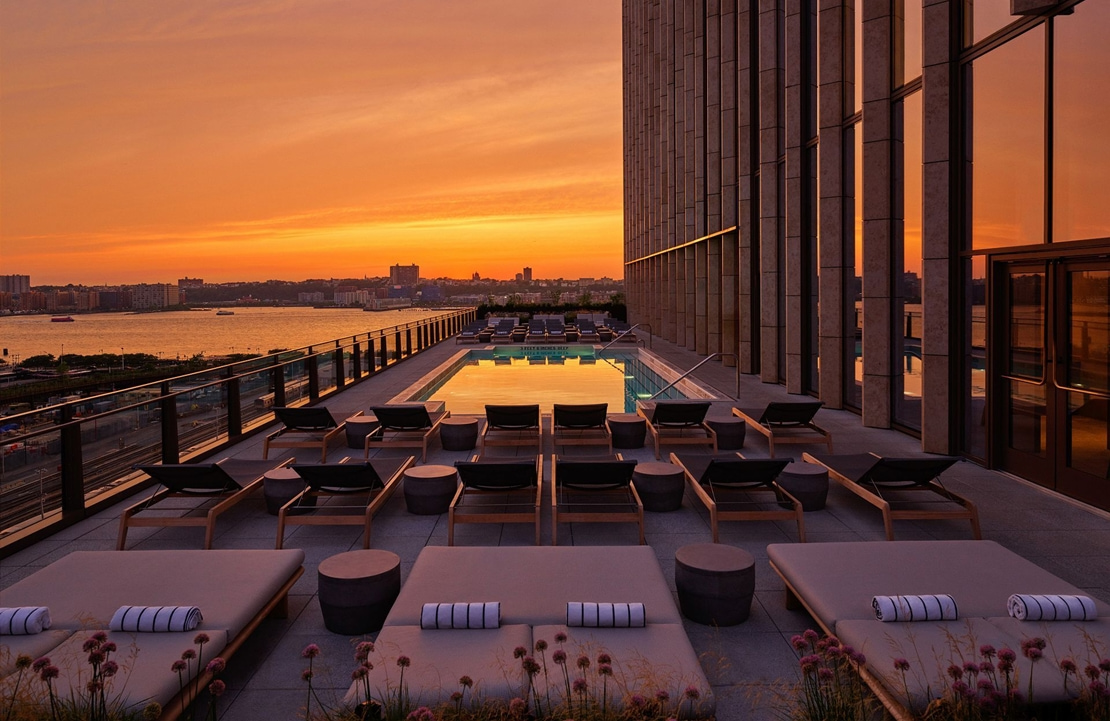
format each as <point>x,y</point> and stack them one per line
<point>24,620</point>
<point>606,615</point>
<point>155,619</point>
<point>460,615</point>
<point>924,607</point>
<point>1051,607</point>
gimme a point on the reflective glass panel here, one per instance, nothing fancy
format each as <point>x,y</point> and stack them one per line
<point>907,399</point>
<point>975,357</point>
<point>985,17</point>
<point>1026,331</point>
<point>908,14</point>
<point>855,291</point>
<point>1027,415</point>
<point>1088,362</point>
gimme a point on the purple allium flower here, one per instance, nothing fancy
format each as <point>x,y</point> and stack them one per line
<point>832,640</point>
<point>517,706</point>
<point>541,645</point>
<point>985,667</point>
<point>1006,654</point>
<point>859,658</point>
<point>306,675</point>
<point>1104,664</point>
<point>604,658</point>
<point>986,651</point>
<point>560,637</point>
<point>692,693</point>
<point>520,652</point>
<point>1098,688</point>
<point>824,673</point>
<point>808,663</point>
<point>559,656</point>
<point>810,635</point>
<point>1033,653</point>
<point>403,661</point>
<point>367,665</point>
<point>217,688</point>
<point>985,685</point>
<point>40,663</point>
<point>466,681</point>
<point>188,654</point>
<point>662,696</point>
<point>583,661</point>
<point>961,688</point>
<point>530,666</point>
<point>90,644</point>
<point>834,652</point>
<point>971,668</point>
<point>363,650</point>
<point>955,672</point>
<point>1067,665</point>
<point>216,666</point>
<point>604,669</point>
<point>1091,671</point>
<point>95,686</point>
<point>359,673</point>
<point>179,666</point>
<point>201,638</point>
<point>580,685</point>
<point>901,664</point>
<point>1005,666</point>
<point>97,657</point>
<point>799,643</point>
<point>310,651</point>
<point>22,661</point>
<point>108,647</point>
<point>110,669</point>
<point>99,637</point>
<point>456,696</point>
<point>49,672</point>
<point>637,701</point>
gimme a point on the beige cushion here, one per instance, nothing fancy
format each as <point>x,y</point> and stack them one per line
<point>1083,642</point>
<point>534,584</point>
<point>33,645</point>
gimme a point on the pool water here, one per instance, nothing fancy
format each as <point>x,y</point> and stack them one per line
<point>547,375</point>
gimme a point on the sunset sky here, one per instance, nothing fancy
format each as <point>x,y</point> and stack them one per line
<point>257,139</point>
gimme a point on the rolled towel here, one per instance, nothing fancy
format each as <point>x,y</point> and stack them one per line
<point>923,607</point>
<point>155,619</point>
<point>606,615</point>
<point>24,620</point>
<point>460,615</point>
<point>1051,607</point>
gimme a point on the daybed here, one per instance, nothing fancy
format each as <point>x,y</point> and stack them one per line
<point>533,586</point>
<point>234,589</point>
<point>836,582</point>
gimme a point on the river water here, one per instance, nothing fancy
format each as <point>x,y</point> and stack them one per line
<point>182,334</point>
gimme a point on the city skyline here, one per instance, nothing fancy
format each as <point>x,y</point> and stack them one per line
<point>264,140</point>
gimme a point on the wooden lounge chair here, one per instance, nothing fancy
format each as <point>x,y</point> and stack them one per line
<point>304,427</point>
<point>680,422</point>
<point>223,484</point>
<point>896,486</point>
<point>503,331</point>
<point>594,490</point>
<point>734,488</point>
<point>497,491</point>
<point>587,331</point>
<point>371,482</point>
<point>581,425</point>
<point>512,426</point>
<point>406,425</point>
<point>471,333</point>
<point>787,423</point>
<point>556,330</point>
<point>537,331</point>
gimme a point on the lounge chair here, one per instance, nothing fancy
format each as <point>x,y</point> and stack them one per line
<point>471,333</point>
<point>591,490</point>
<point>621,331</point>
<point>581,425</point>
<point>680,422</point>
<point>503,331</point>
<point>304,427</point>
<point>787,423</point>
<point>405,425</point>
<point>497,491</point>
<point>373,482</point>
<point>512,426</point>
<point>587,331</point>
<point>556,330</point>
<point>896,485</point>
<point>537,331</point>
<point>731,486</point>
<point>222,484</point>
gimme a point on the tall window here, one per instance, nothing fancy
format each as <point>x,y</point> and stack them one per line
<point>810,237</point>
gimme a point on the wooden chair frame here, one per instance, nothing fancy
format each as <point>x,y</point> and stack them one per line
<point>304,436</point>
<point>531,497</point>
<point>581,425</point>
<point>796,424</point>
<point>512,425</point>
<point>616,486</point>
<point>663,431</point>
<point>415,432</point>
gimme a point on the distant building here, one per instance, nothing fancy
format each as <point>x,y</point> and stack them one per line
<point>188,282</point>
<point>527,274</point>
<point>404,274</point>
<point>15,284</point>
<point>351,297</point>
<point>431,293</point>
<point>316,297</point>
<point>154,295</point>
<point>519,277</point>
<point>476,277</point>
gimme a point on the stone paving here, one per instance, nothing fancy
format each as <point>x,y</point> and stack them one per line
<point>747,664</point>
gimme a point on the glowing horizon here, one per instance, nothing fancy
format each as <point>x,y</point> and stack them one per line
<point>280,139</point>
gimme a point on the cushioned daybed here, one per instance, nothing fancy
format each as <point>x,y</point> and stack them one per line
<point>234,589</point>
<point>836,582</point>
<point>533,586</point>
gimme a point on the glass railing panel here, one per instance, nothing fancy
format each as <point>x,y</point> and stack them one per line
<point>201,419</point>
<point>255,397</point>
<point>112,445</point>
<point>30,482</point>
<point>325,372</point>
<point>296,382</point>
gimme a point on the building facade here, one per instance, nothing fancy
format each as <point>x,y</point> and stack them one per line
<point>891,205</point>
<point>15,284</point>
<point>154,295</point>
<point>404,274</point>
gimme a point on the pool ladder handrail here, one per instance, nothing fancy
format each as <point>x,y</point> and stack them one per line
<point>699,365</point>
<point>651,333</point>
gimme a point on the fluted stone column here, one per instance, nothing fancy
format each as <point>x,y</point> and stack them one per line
<point>770,126</point>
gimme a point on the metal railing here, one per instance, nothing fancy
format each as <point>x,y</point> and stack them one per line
<point>616,338</point>
<point>63,461</point>
<point>702,362</point>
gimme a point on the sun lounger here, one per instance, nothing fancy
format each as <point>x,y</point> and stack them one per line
<point>217,486</point>
<point>902,488</point>
<point>594,490</point>
<point>405,425</point>
<point>581,425</point>
<point>503,330</point>
<point>556,331</point>
<point>471,333</point>
<point>512,425</point>
<point>502,490</point>
<point>679,422</point>
<point>304,427</point>
<point>537,331</point>
<point>587,331</point>
<point>734,488</point>
<point>787,423</point>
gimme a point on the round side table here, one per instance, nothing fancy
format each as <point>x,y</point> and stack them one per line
<point>808,482</point>
<point>357,428</point>
<point>730,432</point>
<point>429,489</point>
<point>715,583</point>
<point>278,488</point>
<point>458,433</point>
<point>660,485</point>
<point>357,589</point>
<point>629,430</point>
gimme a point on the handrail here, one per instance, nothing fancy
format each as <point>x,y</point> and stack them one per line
<point>705,360</point>
<point>651,333</point>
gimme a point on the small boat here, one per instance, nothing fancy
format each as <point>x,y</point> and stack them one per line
<point>225,312</point>
<point>61,319</point>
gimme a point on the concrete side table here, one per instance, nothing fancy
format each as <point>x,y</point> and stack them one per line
<point>458,433</point>
<point>278,488</point>
<point>808,482</point>
<point>715,583</point>
<point>660,485</point>
<point>629,430</point>
<point>358,427</point>
<point>357,589</point>
<point>429,489</point>
<point>730,432</point>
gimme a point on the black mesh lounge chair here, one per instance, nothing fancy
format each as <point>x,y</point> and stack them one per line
<point>787,423</point>
<point>556,331</point>
<point>304,427</point>
<point>581,425</point>
<point>680,422</point>
<point>405,425</point>
<point>734,488</point>
<point>895,486</point>
<point>497,490</point>
<point>512,426</point>
<point>218,486</point>
<point>471,332</point>
<point>503,331</point>
<point>342,494</point>
<point>537,331</point>
<point>594,490</point>
<point>587,331</point>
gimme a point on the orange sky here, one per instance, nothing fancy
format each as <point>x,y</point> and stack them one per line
<point>256,139</point>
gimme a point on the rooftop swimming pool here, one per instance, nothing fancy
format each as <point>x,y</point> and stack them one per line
<point>548,375</point>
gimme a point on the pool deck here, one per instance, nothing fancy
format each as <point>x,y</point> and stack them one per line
<point>747,664</point>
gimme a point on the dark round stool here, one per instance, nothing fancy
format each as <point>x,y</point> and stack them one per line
<point>730,432</point>
<point>429,489</point>
<point>458,433</point>
<point>715,583</point>
<point>278,488</point>
<point>660,485</point>
<point>808,482</point>
<point>357,428</point>
<point>357,589</point>
<point>629,430</point>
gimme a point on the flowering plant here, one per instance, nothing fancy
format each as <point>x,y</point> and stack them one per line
<point>831,688</point>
